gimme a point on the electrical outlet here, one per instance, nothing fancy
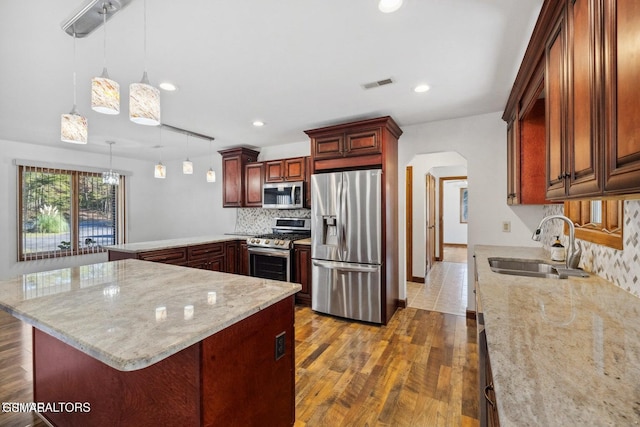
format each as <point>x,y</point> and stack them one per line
<point>506,226</point>
<point>280,345</point>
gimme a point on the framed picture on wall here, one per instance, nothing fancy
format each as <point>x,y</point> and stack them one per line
<point>464,209</point>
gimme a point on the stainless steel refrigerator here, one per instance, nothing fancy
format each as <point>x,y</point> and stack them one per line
<point>346,246</point>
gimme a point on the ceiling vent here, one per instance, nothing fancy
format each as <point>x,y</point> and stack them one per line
<point>377,84</point>
<point>88,16</point>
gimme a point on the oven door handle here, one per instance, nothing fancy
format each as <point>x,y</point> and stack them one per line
<point>270,252</point>
<point>342,266</point>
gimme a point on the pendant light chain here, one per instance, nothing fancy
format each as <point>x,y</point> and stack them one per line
<point>104,42</point>
<point>74,71</point>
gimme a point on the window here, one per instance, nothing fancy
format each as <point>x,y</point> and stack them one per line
<point>597,221</point>
<point>67,212</point>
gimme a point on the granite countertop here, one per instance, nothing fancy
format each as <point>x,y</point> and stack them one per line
<point>303,242</point>
<point>562,351</point>
<point>174,243</point>
<point>130,314</point>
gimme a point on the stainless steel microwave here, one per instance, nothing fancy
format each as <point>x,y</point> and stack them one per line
<point>283,195</point>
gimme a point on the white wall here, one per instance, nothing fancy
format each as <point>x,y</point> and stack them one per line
<point>454,231</point>
<point>482,141</point>
<point>178,206</point>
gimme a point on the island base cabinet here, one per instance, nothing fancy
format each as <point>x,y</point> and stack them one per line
<point>231,378</point>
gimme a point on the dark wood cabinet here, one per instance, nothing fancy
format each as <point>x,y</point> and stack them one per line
<point>285,170</point>
<point>302,273</point>
<point>243,262</point>
<point>232,257</point>
<point>590,87</point>
<point>233,175</point>
<point>254,177</point>
<point>622,103</point>
<point>352,145</point>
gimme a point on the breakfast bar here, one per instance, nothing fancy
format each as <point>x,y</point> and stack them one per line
<point>132,342</point>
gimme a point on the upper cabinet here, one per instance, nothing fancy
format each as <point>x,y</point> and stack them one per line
<point>285,170</point>
<point>622,101</point>
<point>233,175</point>
<point>592,133</point>
<point>353,145</point>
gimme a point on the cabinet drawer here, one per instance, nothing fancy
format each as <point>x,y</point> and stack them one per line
<point>205,251</point>
<point>168,256</point>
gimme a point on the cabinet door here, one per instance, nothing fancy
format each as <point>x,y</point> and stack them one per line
<point>231,257</point>
<point>302,255</point>
<point>294,169</point>
<point>363,142</point>
<point>327,146</point>
<point>232,170</point>
<point>622,121</point>
<point>274,171</point>
<point>243,262</point>
<point>254,175</point>
<point>555,109</point>
<point>217,264</point>
<point>583,126</point>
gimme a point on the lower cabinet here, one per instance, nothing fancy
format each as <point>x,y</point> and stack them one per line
<point>175,256</point>
<point>243,262</point>
<point>231,252</point>
<point>302,273</point>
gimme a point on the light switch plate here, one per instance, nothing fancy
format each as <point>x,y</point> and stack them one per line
<point>506,226</point>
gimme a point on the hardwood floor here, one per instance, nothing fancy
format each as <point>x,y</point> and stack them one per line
<point>419,370</point>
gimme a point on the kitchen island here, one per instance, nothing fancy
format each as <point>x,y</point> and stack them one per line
<point>152,344</point>
<point>563,352</point>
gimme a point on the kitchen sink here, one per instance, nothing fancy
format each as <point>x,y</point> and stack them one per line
<point>533,268</point>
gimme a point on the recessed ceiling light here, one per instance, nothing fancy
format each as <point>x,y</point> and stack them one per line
<point>388,6</point>
<point>258,123</point>
<point>168,86</point>
<point>421,88</point>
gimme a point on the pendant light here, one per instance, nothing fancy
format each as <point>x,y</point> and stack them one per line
<point>73,126</point>
<point>105,93</point>
<point>110,177</point>
<point>160,170</point>
<point>187,165</point>
<point>389,6</point>
<point>144,99</point>
<point>211,174</point>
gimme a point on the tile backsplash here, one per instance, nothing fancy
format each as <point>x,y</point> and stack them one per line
<point>259,221</point>
<point>621,267</point>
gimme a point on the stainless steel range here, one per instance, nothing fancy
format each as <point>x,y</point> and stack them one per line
<point>270,254</point>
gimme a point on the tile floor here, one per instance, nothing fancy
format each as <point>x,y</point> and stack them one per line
<point>445,287</point>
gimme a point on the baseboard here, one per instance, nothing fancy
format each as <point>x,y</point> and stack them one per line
<point>471,314</point>
<point>456,245</point>
<point>417,279</point>
<point>401,303</point>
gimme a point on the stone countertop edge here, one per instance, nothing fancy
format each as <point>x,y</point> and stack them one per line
<point>562,351</point>
<point>156,245</point>
<point>176,336</point>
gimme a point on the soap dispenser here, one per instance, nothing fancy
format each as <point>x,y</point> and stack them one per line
<point>557,250</point>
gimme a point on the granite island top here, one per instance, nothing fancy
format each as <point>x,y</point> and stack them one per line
<point>130,314</point>
<point>155,245</point>
<point>563,352</point>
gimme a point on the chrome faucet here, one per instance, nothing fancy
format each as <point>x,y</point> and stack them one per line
<point>573,254</point>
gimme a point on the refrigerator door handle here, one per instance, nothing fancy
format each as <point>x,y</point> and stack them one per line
<point>339,219</point>
<point>343,217</point>
<point>346,267</point>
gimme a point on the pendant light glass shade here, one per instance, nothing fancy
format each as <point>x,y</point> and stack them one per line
<point>105,93</point>
<point>144,103</point>
<point>110,177</point>
<point>389,6</point>
<point>73,126</point>
<point>160,171</point>
<point>187,167</point>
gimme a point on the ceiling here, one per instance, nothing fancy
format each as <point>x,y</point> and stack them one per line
<point>295,64</point>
